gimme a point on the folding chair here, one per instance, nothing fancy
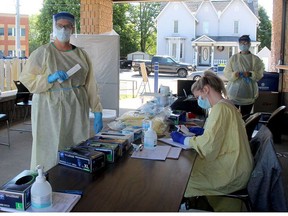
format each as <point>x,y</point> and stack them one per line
<point>22,101</point>
<point>4,118</point>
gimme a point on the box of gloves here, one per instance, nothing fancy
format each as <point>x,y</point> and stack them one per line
<point>16,193</point>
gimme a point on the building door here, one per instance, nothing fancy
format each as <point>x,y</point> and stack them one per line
<point>205,56</point>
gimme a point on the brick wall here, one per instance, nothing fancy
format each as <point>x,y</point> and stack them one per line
<point>96,16</point>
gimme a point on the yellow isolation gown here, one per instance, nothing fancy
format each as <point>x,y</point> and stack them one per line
<point>60,112</point>
<point>243,91</point>
<point>224,161</point>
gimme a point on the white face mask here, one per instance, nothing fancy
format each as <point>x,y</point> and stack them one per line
<point>63,34</point>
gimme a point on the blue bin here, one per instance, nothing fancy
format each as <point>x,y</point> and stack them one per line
<point>269,82</point>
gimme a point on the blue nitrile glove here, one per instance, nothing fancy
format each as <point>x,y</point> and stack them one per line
<point>98,123</point>
<point>177,137</point>
<point>196,130</point>
<point>246,79</point>
<point>62,75</point>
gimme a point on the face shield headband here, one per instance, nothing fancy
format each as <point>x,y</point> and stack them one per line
<point>66,16</point>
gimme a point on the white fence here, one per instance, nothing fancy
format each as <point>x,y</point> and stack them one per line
<point>10,70</point>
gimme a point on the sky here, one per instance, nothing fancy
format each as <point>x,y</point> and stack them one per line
<point>33,6</point>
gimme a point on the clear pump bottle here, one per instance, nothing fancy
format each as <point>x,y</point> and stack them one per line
<point>41,191</point>
<point>145,126</point>
<point>150,138</point>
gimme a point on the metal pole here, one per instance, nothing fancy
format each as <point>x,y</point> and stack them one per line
<point>17,28</point>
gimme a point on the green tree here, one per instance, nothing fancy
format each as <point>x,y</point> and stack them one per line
<point>143,17</point>
<point>33,33</point>
<point>264,29</point>
<point>121,25</point>
<point>45,21</point>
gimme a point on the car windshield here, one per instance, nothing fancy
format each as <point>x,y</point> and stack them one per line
<point>174,59</point>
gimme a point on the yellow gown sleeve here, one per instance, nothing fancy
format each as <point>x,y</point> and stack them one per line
<point>209,144</point>
<point>34,74</point>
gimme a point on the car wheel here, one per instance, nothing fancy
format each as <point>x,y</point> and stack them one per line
<point>182,73</point>
<point>197,77</point>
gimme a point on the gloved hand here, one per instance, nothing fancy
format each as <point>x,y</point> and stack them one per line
<point>178,137</point>
<point>196,130</point>
<point>62,75</point>
<point>98,123</point>
<point>244,76</point>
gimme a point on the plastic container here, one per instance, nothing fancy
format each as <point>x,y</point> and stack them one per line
<point>150,138</point>
<point>41,191</point>
<point>145,126</point>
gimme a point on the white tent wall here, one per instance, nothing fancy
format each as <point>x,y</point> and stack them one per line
<point>104,52</point>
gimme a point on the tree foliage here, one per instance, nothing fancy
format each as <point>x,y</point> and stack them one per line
<point>264,30</point>
<point>45,21</point>
<point>143,16</point>
<point>135,23</point>
<point>121,25</point>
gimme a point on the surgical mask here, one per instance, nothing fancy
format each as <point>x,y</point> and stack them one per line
<point>63,34</point>
<point>244,47</point>
<point>204,103</point>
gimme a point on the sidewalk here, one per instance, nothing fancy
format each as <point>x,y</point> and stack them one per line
<point>129,104</point>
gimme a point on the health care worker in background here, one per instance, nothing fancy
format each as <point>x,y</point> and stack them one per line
<point>224,162</point>
<point>60,111</point>
<point>242,71</point>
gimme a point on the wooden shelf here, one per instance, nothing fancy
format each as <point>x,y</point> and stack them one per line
<point>283,67</point>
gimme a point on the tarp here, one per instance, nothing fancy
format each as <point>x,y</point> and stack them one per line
<point>104,52</point>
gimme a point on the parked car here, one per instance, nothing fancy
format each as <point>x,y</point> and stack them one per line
<point>167,65</point>
<point>125,64</point>
<point>218,69</point>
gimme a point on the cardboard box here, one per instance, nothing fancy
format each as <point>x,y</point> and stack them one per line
<point>16,193</point>
<point>83,159</point>
<point>266,102</point>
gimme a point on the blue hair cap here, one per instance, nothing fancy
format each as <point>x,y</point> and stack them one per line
<point>64,15</point>
<point>245,38</point>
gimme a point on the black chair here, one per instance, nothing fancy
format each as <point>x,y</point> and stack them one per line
<point>250,124</point>
<point>4,118</point>
<point>22,101</point>
<point>274,121</point>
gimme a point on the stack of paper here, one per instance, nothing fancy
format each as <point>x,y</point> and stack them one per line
<point>158,153</point>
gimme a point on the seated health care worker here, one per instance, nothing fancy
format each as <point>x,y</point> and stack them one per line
<point>224,161</point>
<point>60,111</point>
<point>242,71</point>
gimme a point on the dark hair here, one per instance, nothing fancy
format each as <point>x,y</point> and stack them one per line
<point>211,79</point>
<point>244,38</point>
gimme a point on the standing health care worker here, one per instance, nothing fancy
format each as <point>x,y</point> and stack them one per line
<point>60,111</point>
<point>243,70</point>
<point>224,162</point>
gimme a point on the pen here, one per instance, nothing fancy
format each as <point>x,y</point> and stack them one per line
<point>78,192</point>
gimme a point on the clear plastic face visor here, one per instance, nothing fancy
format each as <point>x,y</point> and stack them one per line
<point>55,27</point>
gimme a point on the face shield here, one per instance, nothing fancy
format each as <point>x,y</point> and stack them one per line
<point>63,32</point>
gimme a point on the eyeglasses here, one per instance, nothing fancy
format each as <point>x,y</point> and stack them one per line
<point>244,43</point>
<point>68,26</point>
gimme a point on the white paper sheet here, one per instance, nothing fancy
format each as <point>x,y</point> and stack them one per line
<point>171,142</point>
<point>159,153</point>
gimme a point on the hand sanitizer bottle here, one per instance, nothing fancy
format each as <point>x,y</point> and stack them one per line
<point>150,138</point>
<point>145,126</point>
<point>41,191</point>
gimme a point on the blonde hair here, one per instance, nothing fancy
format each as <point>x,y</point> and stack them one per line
<point>211,79</point>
